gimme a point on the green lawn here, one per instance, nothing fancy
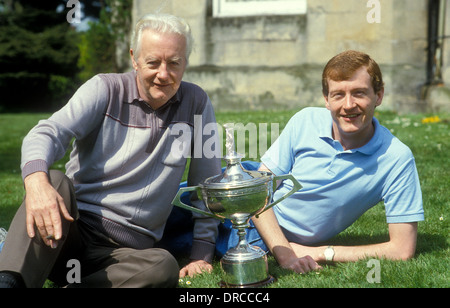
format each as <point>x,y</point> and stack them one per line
<point>429,140</point>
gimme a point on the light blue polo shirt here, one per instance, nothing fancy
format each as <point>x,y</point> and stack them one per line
<point>339,186</point>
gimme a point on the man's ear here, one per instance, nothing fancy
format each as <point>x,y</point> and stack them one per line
<point>380,96</point>
<point>326,102</point>
<point>132,60</point>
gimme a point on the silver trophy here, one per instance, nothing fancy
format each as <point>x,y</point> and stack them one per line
<point>238,195</point>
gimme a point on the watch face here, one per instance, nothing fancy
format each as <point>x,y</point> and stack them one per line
<point>329,253</point>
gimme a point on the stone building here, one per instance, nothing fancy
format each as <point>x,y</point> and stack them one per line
<point>269,54</point>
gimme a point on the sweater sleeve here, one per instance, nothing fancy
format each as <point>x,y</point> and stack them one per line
<point>48,141</point>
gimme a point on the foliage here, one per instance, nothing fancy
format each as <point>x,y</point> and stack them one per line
<point>97,49</point>
<point>44,59</point>
<point>38,55</point>
<point>104,44</point>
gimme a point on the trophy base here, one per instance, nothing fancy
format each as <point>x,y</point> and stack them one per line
<point>259,284</point>
<point>245,267</point>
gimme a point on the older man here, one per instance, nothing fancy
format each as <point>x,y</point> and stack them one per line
<point>346,162</point>
<point>111,207</point>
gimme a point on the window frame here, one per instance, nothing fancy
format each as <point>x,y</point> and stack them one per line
<point>222,8</point>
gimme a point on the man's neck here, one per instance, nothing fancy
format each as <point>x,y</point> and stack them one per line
<point>351,141</point>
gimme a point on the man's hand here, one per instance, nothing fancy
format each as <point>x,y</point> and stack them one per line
<point>195,267</point>
<point>44,208</point>
<point>302,265</point>
<point>287,259</point>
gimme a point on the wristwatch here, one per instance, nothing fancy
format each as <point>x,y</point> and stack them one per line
<point>329,253</point>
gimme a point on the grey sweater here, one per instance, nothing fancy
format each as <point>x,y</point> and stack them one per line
<point>127,159</point>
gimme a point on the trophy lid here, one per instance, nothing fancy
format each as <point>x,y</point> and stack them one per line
<point>235,175</point>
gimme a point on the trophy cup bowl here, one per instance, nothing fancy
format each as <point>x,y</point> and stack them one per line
<point>238,195</point>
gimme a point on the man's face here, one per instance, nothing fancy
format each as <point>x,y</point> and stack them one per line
<point>160,66</point>
<point>352,105</point>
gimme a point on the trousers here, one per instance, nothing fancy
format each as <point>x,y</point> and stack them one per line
<point>102,262</point>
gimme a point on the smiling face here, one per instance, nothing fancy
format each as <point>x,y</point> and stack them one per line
<point>352,105</point>
<point>160,66</point>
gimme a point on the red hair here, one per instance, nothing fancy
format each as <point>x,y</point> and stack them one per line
<point>344,65</point>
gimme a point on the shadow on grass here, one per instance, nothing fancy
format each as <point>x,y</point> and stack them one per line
<point>429,243</point>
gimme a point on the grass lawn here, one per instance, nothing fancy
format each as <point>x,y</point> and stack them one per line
<point>428,138</point>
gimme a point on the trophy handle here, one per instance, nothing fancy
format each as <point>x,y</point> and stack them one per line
<point>297,186</point>
<point>177,201</point>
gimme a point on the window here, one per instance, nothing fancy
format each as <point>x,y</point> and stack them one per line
<point>236,8</point>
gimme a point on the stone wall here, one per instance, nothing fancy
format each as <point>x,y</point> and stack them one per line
<point>275,62</point>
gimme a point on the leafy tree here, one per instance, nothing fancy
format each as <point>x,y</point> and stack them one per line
<point>38,54</point>
<point>104,46</point>
<point>43,58</point>
<point>97,49</point>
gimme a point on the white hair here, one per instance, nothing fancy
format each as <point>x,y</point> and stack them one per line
<point>161,23</point>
